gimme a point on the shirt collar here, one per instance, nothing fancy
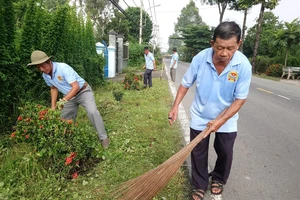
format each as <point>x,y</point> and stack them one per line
<point>54,68</point>
<point>235,60</point>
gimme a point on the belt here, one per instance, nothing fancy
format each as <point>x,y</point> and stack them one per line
<point>83,87</point>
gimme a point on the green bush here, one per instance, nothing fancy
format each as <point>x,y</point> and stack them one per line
<point>118,95</point>
<point>262,63</point>
<point>136,55</point>
<point>59,145</point>
<point>274,70</point>
<point>132,81</point>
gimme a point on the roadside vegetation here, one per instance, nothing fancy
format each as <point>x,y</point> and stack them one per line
<point>141,139</point>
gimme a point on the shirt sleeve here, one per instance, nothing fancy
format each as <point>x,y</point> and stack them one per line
<point>176,58</point>
<point>152,57</point>
<point>191,74</point>
<point>69,74</point>
<point>244,80</point>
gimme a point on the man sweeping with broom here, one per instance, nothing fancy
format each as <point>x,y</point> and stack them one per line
<point>222,75</point>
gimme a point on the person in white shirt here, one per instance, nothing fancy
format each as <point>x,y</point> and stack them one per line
<point>150,65</point>
<point>173,64</point>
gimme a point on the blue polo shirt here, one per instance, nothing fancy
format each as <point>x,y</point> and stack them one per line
<point>62,76</point>
<point>174,57</point>
<point>149,58</point>
<point>216,92</point>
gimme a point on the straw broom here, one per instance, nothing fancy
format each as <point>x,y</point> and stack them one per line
<point>147,185</point>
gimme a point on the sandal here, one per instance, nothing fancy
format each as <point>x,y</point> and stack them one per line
<point>216,184</point>
<point>198,193</point>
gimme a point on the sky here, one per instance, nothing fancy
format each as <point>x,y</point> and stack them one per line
<point>167,12</point>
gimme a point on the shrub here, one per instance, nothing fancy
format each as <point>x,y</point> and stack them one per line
<point>136,57</point>
<point>262,62</point>
<point>59,145</point>
<point>274,70</point>
<point>131,81</point>
<point>118,95</point>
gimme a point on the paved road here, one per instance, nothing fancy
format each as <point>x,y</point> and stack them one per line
<point>266,157</point>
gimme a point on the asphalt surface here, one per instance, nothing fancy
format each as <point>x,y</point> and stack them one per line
<point>266,163</point>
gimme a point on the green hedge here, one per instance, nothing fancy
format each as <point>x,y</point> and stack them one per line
<point>60,33</point>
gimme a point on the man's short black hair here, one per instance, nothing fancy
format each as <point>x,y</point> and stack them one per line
<point>174,49</point>
<point>227,30</point>
<point>146,48</point>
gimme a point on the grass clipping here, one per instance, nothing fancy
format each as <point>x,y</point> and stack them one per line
<point>149,184</point>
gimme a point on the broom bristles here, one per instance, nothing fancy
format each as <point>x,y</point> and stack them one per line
<point>147,185</point>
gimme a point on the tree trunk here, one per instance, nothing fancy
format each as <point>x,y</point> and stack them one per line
<point>244,29</point>
<point>222,8</point>
<point>286,57</point>
<point>259,28</point>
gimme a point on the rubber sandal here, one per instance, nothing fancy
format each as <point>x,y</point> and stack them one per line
<point>216,184</point>
<point>198,193</point>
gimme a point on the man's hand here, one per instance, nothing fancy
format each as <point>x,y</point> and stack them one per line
<point>214,126</point>
<point>172,116</point>
<point>60,104</point>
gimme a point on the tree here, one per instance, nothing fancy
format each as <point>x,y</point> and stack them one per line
<point>265,4</point>
<point>189,16</point>
<point>197,37</point>
<point>52,5</point>
<point>288,36</point>
<point>242,5</point>
<point>270,26</point>
<point>129,25</point>
<point>101,12</point>
<point>174,41</point>
<point>222,5</point>
<point>119,24</point>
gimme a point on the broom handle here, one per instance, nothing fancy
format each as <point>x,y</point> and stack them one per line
<point>193,143</point>
<point>199,137</point>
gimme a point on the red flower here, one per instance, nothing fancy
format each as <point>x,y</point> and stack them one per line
<point>69,121</point>
<point>25,131</point>
<point>73,154</point>
<point>75,175</point>
<point>20,118</point>
<point>41,126</point>
<point>43,112</point>
<point>27,136</point>
<point>28,120</point>
<point>13,135</point>
<point>68,161</point>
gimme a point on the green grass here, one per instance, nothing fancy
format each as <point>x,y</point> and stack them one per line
<point>141,139</point>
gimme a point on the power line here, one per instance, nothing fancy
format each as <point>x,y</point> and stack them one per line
<point>126,4</point>
<point>154,12</point>
<point>150,9</point>
<point>124,13</point>
<point>134,3</point>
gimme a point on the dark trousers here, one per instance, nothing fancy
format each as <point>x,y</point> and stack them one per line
<point>148,77</point>
<point>223,145</point>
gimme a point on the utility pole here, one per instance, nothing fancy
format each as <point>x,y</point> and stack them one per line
<point>141,22</point>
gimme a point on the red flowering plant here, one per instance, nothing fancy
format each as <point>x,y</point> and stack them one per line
<point>60,145</point>
<point>274,70</point>
<point>132,81</point>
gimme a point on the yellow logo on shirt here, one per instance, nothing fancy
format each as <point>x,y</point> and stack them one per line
<point>60,78</point>
<point>233,76</point>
